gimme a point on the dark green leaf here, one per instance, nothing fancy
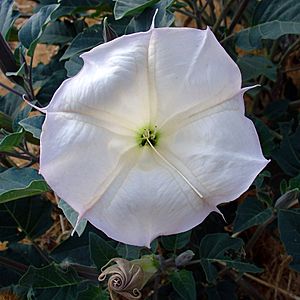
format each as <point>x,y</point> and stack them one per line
<point>7,16</point>
<point>49,277</point>
<point>33,125</point>
<point>10,104</point>
<point>131,7</point>
<point>250,213</point>
<point>176,241</point>
<point>73,65</point>
<point>50,85</point>
<point>253,66</point>
<point>272,19</point>
<point>10,141</point>
<point>57,33</point>
<point>289,228</point>
<point>72,217</point>
<point>29,217</point>
<point>288,154</point>
<point>222,291</point>
<point>19,183</point>
<point>85,40</point>
<point>128,251</point>
<point>35,26</point>
<point>220,247</point>
<point>142,22</point>
<point>22,114</point>
<point>265,136</point>
<point>288,199</point>
<point>183,283</point>
<point>101,251</point>
<point>93,293</point>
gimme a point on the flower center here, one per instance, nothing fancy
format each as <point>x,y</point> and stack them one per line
<point>146,135</point>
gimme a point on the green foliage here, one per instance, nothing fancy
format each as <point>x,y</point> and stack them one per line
<point>253,66</point>
<point>221,248</point>
<point>184,284</point>
<point>29,217</point>
<point>131,7</point>
<point>88,39</point>
<point>55,282</point>
<point>271,20</point>
<point>19,183</point>
<point>250,213</point>
<point>101,251</point>
<point>34,27</point>
<point>11,140</point>
<point>176,241</point>
<point>8,15</point>
<point>72,217</point>
<point>289,228</point>
<point>93,293</point>
<point>33,125</point>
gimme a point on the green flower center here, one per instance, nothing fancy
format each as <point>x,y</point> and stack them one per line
<point>146,135</point>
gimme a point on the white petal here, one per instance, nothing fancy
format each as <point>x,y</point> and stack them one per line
<point>191,71</point>
<point>77,157</point>
<point>217,150</point>
<point>112,85</point>
<point>147,201</point>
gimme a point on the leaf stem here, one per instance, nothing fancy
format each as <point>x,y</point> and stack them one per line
<point>11,90</point>
<point>222,15</point>
<point>238,15</point>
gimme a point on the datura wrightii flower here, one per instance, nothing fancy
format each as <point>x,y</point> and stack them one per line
<point>150,136</point>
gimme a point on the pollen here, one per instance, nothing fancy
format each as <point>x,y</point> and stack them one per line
<point>148,133</point>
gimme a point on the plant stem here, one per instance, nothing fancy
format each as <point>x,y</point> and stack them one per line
<point>222,15</point>
<point>16,155</point>
<point>8,263</point>
<point>238,15</point>
<point>291,49</point>
<point>11,90</point>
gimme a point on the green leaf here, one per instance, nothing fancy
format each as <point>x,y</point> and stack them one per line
<point>19,253</point>
<point>10,104</point>
<point>73,65</point>
<point>72,217</point>
<point>57,33</point>
<point>288,154</point>
<point>85,40</point>
<point>19,183</point>
<point>176,241</point>
<point>51,277</point>
<point>253,66</point>
<point>250,213</point>
<point>220,247</point>
<point>265,136</point>
<point>289,228</point>
<point>10,141</point>
<point>183,283</point>
<point>93,293</point>
<point>29,217</point>
<point>288,199</point>
<point>35,26</point>
<point>142,22</point>
<point>128,251</point>
<point>131,7</point>
<point>7,16</point>
<point>101,252</point>
<point>50,85</point>
<point>271,20</point>
<point>33,125</point>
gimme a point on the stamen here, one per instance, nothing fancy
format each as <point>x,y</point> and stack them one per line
<point>146,136</point>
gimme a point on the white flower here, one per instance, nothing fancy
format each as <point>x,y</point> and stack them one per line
<point>150,135</point>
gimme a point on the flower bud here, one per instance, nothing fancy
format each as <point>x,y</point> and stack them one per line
<point>127,278</point>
